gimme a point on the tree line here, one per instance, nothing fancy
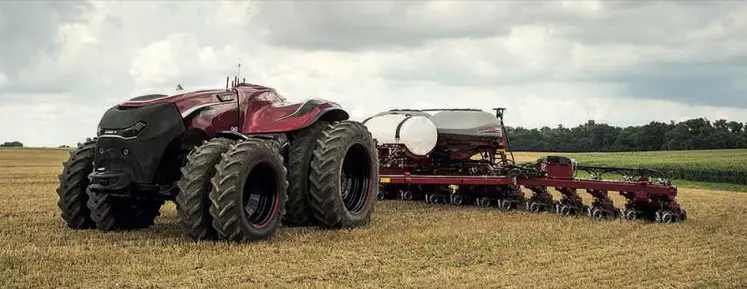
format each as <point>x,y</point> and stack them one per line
<point>11,144</point>
<point>692,134</point>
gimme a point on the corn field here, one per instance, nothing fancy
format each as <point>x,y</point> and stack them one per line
<point>717,166</point>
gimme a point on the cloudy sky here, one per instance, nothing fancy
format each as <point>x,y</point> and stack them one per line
<point>63,63</point>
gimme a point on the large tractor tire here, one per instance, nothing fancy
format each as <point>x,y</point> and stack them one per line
<point>249,191</point>
<point>344,176</point>
<point>299,159</point>
<point>73,185</point>
<point>114,213</point>
<point>193,201</point>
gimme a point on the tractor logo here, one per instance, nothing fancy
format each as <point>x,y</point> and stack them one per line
<point>225,97</point>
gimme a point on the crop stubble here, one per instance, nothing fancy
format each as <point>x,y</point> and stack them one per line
<point>407,245</point>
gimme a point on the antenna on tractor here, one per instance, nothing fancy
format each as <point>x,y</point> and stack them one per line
<point>235,79</point>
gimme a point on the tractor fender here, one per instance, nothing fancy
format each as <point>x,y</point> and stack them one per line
<point>293,117</point>
<point>233,135</point>
<point>280,138</point>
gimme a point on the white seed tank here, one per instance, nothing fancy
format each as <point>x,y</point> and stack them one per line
<point>415,131</point>
<point>467,123</point>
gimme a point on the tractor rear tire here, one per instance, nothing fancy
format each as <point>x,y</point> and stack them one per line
<point>299,159</point>
<point>114,213</point>
<point>344,176</point>
<point>193,201</point>
<point>249,191</point>
<point>73,185</point>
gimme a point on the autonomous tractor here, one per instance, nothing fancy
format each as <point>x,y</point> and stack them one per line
<point>460,157</point>
<point>238,162</point>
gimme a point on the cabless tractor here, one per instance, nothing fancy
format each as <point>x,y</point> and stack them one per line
<point>238,162</point>
<point>458,157</point>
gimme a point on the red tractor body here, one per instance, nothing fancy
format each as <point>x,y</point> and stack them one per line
<point>156,148</point>
<point>173,124</point>
<point>246,108</point>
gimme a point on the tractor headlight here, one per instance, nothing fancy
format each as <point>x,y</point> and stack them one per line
<point>128,132</point>
<point>133,130</point>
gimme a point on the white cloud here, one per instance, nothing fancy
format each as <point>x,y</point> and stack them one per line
<point>587,6</point>
<point>547,63</point>
<point>160,61</point>
<point>3,79</point>
<point>78,43</point>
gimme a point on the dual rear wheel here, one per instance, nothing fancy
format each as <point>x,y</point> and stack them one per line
<point>243,191</point>
<point>248,191</point>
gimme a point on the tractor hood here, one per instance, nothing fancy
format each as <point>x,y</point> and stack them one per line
<point>185,102</point>
<point>150,99</point>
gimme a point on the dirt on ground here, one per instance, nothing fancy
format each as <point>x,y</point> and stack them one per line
<point>406,245</point>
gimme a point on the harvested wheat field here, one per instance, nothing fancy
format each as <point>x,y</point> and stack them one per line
<point>406,245</point>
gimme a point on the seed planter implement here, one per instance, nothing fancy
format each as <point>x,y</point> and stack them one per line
<point>459,157</point>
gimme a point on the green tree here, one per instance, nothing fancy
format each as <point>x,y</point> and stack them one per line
<point>13,144</point>
<point>591,136</point>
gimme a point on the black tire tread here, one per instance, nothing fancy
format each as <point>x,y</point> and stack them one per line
<point>113,213</point>
<point>193,202</point>
<point>226,191</point>
<point>72,189</point>
<point>300,153</point>
<point>325,200</point>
